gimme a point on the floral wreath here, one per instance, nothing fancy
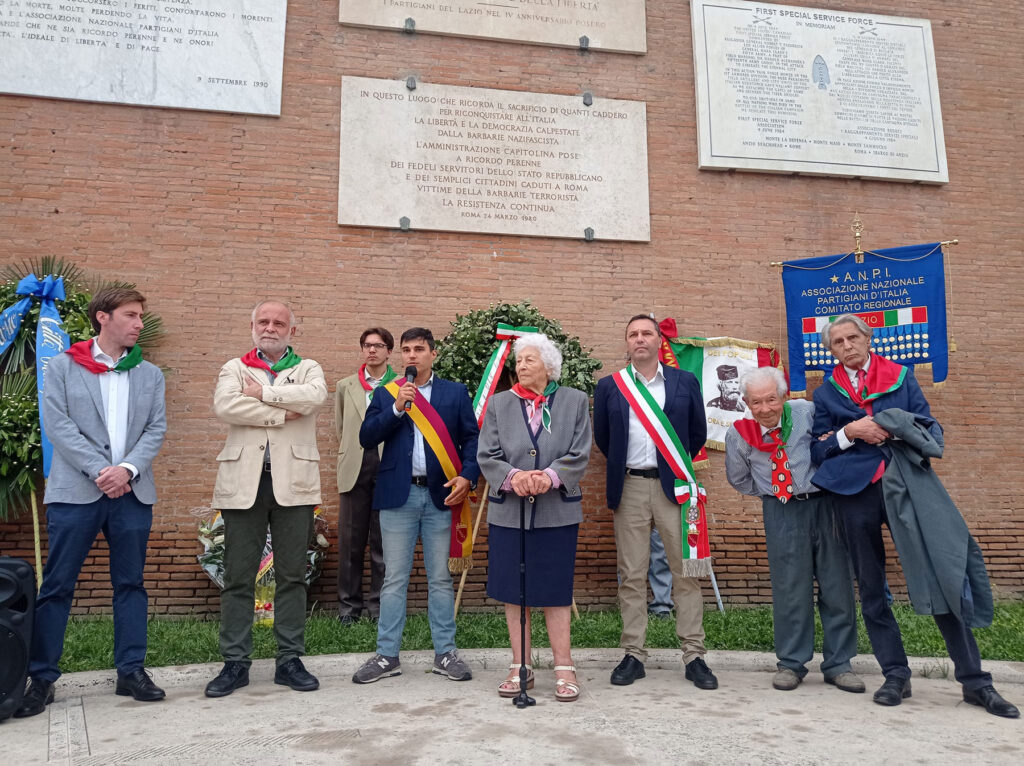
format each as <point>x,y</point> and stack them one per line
<point>464,352</point>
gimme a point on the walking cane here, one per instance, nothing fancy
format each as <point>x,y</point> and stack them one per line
<point>522,699</point>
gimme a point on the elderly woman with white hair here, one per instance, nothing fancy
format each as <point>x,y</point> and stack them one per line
<point>534,448</point>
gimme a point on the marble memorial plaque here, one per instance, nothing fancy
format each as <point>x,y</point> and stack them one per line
<point>218,55</point>
<point>818,91</point>
<point>454,158</point>
<point>619,26</point>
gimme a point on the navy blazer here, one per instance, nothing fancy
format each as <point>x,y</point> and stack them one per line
<point>452,402</point>
<point>847,472</point>
<point>684,407</point>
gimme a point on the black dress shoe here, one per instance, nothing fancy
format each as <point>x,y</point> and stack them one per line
<point>38,696</point>
<point>989,698</point>
<point>893,691</point>
<point>627,671</point>
<point>701,675</point>
<point>347,619</point>
<point>293,674</point>
<point>234,675</point>
<point>139,685</point>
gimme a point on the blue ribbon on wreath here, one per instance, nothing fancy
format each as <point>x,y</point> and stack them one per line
<point>50,336</point>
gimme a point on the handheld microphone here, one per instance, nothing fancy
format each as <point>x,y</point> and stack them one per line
<point>410,376</point>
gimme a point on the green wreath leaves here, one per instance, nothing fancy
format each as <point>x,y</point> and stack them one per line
<point>462,355</point>
<point>21,453</point>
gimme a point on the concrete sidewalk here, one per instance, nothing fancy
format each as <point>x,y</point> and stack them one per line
<point>421,718</point>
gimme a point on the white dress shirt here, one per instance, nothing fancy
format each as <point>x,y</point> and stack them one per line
<point>641,452</point>
<point>419,456</point>
<point>845,442</point>
<point>114,389</point>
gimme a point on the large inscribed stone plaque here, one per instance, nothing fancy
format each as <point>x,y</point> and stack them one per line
<point>218,55</point>
<point>453,158</point>
<point>614,25</point>
<point>807,90</point>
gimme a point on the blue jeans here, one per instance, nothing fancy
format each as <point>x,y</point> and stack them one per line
<point>72,530</point>
<point>400,528</point>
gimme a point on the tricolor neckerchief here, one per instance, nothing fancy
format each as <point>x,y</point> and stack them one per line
<point>81,352</point>
<point>505,334</point>
<point>750,430</point>
<point>290,359</point>
<point>389,375</point>
<point>690,495</point>
<point>436,436</point>
<point>537,400</point>
<point>883,378</point>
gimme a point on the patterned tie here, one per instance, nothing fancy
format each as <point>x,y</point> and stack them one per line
<point>782,477</point>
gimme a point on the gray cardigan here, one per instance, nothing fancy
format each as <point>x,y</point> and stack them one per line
<point>506,443</point>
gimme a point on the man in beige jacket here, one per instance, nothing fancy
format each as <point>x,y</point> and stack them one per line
<point>358,521</point>
<point>268,473</point>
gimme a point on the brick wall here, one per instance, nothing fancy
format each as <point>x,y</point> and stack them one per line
<point>208,212</point>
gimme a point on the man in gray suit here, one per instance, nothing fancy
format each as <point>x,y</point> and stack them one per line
<point>103,409</point>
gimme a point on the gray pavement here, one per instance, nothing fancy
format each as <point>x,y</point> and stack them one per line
<point>421,718</point>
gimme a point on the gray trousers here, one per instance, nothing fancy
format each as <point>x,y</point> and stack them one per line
<point>245,533</point>
<point>804,544</point>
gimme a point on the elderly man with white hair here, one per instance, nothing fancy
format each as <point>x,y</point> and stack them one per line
<point>534,448</point>
<point>858,410</point>
<point>768,455</point>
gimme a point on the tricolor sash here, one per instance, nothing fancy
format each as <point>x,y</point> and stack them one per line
<point>492,372</point>
<point>690,495</point>
<point>436,436</point>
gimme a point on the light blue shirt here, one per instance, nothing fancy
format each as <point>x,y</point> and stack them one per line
<point>419,455</point>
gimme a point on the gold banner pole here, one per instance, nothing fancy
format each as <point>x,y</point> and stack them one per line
<point>36,538</point>
<point>476,528</point>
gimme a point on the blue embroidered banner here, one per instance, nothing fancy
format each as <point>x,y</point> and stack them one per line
<point>900,292</point>
<point>50,336</point>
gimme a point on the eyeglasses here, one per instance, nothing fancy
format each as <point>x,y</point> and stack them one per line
<point>374,346</point>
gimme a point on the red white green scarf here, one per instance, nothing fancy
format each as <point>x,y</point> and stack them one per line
<point>389,375</point>
<point>782,476</point>
<point>81,352</point>
<point>884,377</point>
<point>505,333</point>
<point>436,436</point>
<point>690,495</point>
<point>533,401</point>
<point>290,359</point>
<point>750,430</point>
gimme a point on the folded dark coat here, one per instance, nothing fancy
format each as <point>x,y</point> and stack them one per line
<point>942,562</point>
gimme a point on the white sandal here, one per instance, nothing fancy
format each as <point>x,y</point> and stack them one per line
<point>572,686</point>
<point>513,689</point>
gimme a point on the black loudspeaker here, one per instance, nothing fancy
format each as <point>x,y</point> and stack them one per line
<point>17,602</point>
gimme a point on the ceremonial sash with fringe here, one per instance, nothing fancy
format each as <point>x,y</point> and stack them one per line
<point>505,333</point>
<point>436,436</point>
<point>690,495</point>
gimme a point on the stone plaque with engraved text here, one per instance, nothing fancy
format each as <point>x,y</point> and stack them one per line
<point>819,91</point>
<point>614,25</point>
<point>217,55</point>
<point>454,158</point>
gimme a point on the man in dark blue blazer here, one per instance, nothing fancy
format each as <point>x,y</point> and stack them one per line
<point>852,455</point>
<point>413,496</point>
<point>641,492</point>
